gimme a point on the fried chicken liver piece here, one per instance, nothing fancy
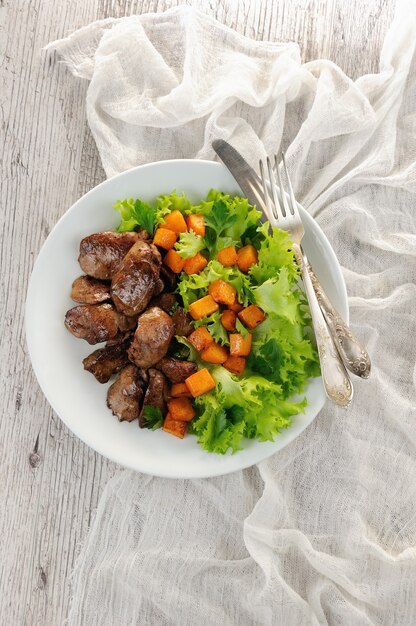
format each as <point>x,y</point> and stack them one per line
<point>125,395</point>
<point>105,362</point>
<point>137,278</point>
<point>176,369</point>
<point>100,254</point>
<point>151,340</point>
<point>88,290</point>
<point>96,322</point>
<point>156,394</point>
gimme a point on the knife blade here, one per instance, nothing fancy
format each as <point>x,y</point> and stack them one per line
<point>244,175</point>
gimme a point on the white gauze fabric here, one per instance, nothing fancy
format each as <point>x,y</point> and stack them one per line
<point>324,532</point>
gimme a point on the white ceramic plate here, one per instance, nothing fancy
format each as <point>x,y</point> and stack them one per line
<point>75,395</point>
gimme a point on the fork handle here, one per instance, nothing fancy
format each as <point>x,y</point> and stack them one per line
<point>335,377</point>
<point>353,354</point>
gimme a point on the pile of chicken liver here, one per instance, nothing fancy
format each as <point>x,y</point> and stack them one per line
<point>125,299</point>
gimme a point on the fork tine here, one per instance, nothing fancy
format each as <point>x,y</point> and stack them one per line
<point>266,191</point>
<point>294,204</point>
<point>284,205</point>
<point>272,180</point>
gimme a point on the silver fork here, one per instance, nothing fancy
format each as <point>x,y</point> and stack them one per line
<point>352,352</point>
<point>285,215</point>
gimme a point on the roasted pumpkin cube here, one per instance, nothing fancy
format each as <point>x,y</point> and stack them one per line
<point>165,238</point>
<point>199,383</point>
<point>235,364</point>
<point>215,353</point>
<point>228,319</point>
<point>179,390</point>
<point>195,264</point>
<point>200,338</point>
<point>227,256</point>
<point>196,223</point>
<point>239,345</point>
<point>174,261</point>
<point>251,316</point>
<point>222,292</point>
<point>203,307</point>
<point>181,409</point>
<point>174,427</point>
<point>175,222</point>
<point>247,256</point>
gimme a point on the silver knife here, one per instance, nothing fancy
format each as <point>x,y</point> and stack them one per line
<point>351,351</point>
<point>244,175</point>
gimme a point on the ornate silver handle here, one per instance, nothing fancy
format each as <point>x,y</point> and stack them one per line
<point>353,354</point>
<point>335,377</point>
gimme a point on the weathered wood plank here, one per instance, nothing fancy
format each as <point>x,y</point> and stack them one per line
<point>50,481</point>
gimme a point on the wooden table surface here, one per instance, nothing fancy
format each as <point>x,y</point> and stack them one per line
<point>50,481</point>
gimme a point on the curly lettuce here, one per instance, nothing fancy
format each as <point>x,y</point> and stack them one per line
<point>189,244</point>
<point>241,407</point>
<point>135,214</point>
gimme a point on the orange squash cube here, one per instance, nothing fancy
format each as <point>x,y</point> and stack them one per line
<point>237,307</point>
<point>215,353</point>
<point>181,409</point>
<point>174,427</point>
<point>239,345</point>
<point>247,256</point>
<point>222,292</point>
<point>199,383</point>
<point>235,364</point>
<point>165,238</point>
<point>227,256</point>
<point>179,390</point>
<point>251,316</point>
<point>228,320</point>
<point>195,264</point>
<point>174,261</point>
<point>196,223</point>
<point>175,222</point>
<point>200,338</point>
<point>203,307</point>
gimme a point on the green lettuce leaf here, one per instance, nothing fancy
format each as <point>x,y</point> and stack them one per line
<point>228,219</point>
<point>191,354</point>
<point>282,353</point>
<point>217,221</point>
<point>247,218</point>
<point>135,214</point>
<point>189,244</point>
<point>166,203</point>
<point>240,328</point>
<point>246,407</point>
<point>275,295</point>
<point>216,429</point>
<point>274,253</point>
<point>152,417</point>
<point>216,329</point>
<point>230,216</point>
<point>219,218</point>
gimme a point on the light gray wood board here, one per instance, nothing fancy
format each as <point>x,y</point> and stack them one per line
<point>50,481</point>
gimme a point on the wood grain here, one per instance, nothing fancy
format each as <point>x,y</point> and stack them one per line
<point>50,481</point>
